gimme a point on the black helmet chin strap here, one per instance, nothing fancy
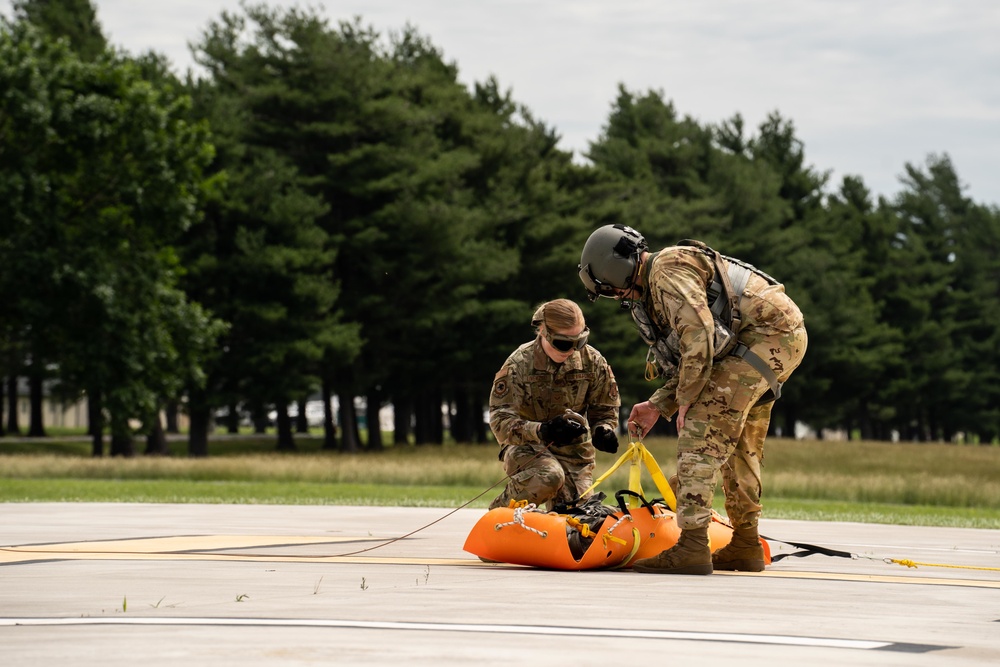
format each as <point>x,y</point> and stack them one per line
<point>626,304</point>
<point>638,267</point>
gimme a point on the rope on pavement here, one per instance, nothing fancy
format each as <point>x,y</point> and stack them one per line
<point>912,563</point>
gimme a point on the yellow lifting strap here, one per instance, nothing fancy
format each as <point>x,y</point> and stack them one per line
<point>637,456</point>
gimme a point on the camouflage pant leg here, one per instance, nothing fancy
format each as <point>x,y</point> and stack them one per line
<point>741,473</point>
<point>741,476</point>
<point>534,477</point>
<point>579,474</point>
<point>708,438</point>
<point>715,426</point>
<point>543,478</point>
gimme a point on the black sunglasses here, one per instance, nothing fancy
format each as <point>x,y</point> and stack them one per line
<point>565,343</point>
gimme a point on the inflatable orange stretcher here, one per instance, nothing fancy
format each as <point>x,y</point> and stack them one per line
<point>523,534</point>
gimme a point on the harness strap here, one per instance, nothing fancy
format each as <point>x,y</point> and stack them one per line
<point>738,277</point>
<point>807,550</point>
<point>725,293</point>
<point>765,371</point>
<point>729,296</point>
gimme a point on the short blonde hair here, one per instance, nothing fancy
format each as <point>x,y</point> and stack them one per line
<point>558,315</point>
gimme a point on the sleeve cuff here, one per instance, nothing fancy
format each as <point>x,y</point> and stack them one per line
<point>665,402</point>
<point>532,430</point>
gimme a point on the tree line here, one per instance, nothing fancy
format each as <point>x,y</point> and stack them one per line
<point>326,209</point>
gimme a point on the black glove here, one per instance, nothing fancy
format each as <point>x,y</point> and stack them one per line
<point>561,431</point>
<point>605,439</point>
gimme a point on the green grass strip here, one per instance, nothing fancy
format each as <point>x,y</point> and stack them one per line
<point>883,513</point>
<point>313,493</point>
<point>236,492</point>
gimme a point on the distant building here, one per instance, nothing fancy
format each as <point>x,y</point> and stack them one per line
<point>56,413</point>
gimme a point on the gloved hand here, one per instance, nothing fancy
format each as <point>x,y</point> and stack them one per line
<point>605,439</point>
<point>561,431</point>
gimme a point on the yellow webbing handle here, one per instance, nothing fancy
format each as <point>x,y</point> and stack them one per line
<point>659,479</point>
<point>617,464</point>
<point>637,455</point>
<point>636,540</point>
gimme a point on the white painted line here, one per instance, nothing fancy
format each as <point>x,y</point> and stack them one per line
<point>781,640</point>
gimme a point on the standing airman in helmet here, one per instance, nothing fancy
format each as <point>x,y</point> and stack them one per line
<point>724,336</point>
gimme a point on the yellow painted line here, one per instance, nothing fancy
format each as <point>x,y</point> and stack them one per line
<point>872,578</point>
<point>206,548</point>
<point>14,557</point>
<point>191,543</point>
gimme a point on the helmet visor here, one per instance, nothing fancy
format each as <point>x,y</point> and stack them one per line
<point>595,287</point>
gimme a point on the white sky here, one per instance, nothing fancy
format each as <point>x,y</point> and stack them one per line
<point>869,84</point>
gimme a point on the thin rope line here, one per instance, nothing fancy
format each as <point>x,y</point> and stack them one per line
<point>340,555</point>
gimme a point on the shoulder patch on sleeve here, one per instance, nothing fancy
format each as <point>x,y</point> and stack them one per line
<point>500,383</point>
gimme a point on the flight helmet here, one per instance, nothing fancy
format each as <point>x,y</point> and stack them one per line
<point>610,260</point>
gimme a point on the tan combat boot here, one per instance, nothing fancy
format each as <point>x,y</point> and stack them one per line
<point>744,552</point>
<point>690,555</point>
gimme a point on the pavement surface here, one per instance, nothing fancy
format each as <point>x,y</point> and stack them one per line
<point>88,584</point>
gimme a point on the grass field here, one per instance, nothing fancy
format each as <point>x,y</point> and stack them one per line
<point>900,483</point>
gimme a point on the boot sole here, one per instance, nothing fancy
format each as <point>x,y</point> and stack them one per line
<point>741,566</point>
<point>705,568</point>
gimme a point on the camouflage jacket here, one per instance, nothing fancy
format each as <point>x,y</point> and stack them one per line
<point>676,298</point>
<point>530,388</point>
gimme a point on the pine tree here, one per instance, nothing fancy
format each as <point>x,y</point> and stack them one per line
<point>75,20</point>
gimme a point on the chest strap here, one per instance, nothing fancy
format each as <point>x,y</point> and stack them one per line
<point>725,290</point>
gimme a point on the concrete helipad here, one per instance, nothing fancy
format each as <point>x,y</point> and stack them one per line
<point>127,584</point>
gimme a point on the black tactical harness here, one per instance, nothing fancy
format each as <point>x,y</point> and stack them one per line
<point>724,294</point>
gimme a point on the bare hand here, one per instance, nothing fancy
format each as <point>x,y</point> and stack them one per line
<point>681,414</point>
<point>642,419</point>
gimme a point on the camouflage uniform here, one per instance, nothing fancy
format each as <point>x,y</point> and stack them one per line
<point>724,428</point>
<point>529,389</point>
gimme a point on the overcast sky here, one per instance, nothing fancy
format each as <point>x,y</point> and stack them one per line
<point>869,84</point>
